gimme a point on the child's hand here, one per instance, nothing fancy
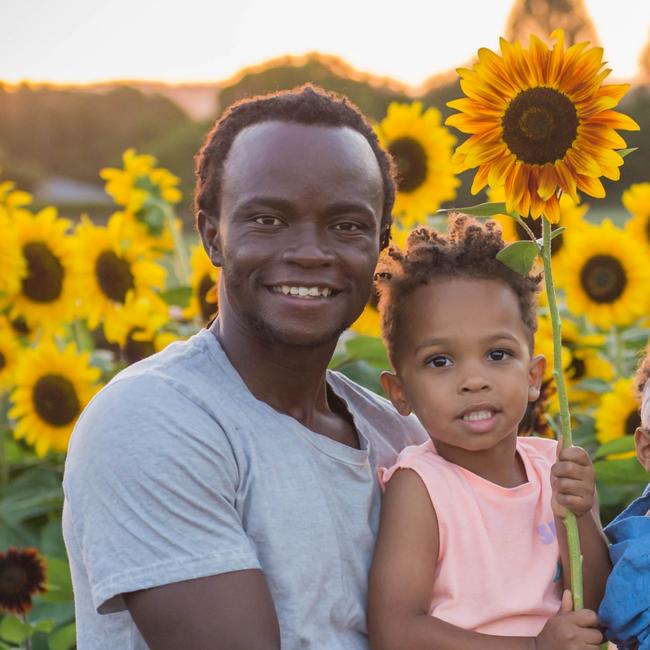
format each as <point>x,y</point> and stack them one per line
<point>573,482</point>
<point>569,630</point>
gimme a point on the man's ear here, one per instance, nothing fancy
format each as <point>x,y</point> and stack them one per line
<point>642,441</point>
<point>535,376</point>
<point>208,228</point>
<point>392,386</point>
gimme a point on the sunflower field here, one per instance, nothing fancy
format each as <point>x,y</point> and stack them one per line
<point>81,301</point>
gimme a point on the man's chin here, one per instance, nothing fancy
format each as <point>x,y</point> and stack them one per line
<point>296,337</point>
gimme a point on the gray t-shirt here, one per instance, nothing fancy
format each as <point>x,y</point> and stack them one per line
<point>176,471</point>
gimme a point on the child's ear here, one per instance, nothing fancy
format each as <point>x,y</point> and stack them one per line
<point>393,388</point>
<point>642,441</point>
<point>535,376</point>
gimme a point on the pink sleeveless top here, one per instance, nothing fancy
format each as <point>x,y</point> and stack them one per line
<point>498,564</point>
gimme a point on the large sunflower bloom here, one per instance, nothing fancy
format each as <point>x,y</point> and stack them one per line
<point>421,147</point>
<point>605,275</point>
<point>636,200</point>
<point>618,414</point>
<point>110,267</point>
<point>47,295</point>
<point>22,575</point>
<point>52,388</point>
<point>9,354</point>
<point>204,282</point>
<point>540,121</point>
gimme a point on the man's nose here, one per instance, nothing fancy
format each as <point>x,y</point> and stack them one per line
<point>309,246</point>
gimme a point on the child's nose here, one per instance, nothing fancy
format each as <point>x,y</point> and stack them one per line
<point>473,383</point>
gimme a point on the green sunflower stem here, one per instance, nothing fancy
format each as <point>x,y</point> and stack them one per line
<point>570,521</point>
<point>180,254</point>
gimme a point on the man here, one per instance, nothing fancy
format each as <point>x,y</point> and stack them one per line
<point>221,494</point>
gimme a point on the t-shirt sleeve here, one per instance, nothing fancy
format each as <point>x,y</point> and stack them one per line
<point>151,489</point>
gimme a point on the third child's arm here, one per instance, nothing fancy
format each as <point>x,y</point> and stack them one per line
<point>574,488</point>
<point>401,581</point>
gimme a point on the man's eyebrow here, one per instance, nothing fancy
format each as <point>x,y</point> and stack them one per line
<point>441,340</point>
<point>288,206</point>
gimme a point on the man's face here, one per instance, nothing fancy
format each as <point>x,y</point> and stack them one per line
<point>298,233</point>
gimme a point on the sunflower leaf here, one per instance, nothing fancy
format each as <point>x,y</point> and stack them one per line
<point>179,296</point>
<point>618,446</point>
<point>519,256</point>
<point>624,471</point>
<point>592,385</point>
<point>64,638</point>
<point>555,233</point>
<point>626,152</point>
<point>14,630</point>
<point>480,210</point>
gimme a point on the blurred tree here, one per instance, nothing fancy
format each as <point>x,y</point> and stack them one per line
<point>541,17</point>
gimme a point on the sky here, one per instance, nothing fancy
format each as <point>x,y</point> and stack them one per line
<point>82,41</point>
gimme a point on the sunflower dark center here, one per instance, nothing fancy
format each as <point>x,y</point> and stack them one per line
<point>647,229</point>
<point>114,276</point>
<point>536,226</point>
<point>632,422</point>
<point>603,278</point>
<point>44,280</point>
<point>3,361</point>
<point>540,125</point>
<point>577,369</point>
<point>135,350</point>
<point>13,580</point>
<point>55,400</point>
<point>411,162</point>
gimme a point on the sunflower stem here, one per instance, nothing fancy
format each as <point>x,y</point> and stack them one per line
<point>180,254</point>
<point>570,521</point>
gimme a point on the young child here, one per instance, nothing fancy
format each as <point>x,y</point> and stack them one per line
<point>625,610</point>
<point>467,555</point>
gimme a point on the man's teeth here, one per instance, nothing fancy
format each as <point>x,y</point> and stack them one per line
<point>303,292</point>
<point>478,415</point>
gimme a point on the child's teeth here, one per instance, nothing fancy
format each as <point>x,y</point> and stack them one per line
<point>478,415</point>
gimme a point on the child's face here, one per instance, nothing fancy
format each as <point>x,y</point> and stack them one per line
<point>464,363</point>
<point>642,435</point>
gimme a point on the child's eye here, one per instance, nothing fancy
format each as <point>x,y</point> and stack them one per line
<point>499,355</point>
<point>439,361</point>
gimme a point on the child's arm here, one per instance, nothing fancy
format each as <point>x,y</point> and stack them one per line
<point>574,488</point>
<point>401,580</point>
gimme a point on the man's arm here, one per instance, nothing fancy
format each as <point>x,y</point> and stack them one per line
<point>401,581</point>
<point>231,611</point>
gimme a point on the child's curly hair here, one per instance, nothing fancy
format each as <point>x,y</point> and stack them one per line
<point>642,375</point>
<point>469,250</point>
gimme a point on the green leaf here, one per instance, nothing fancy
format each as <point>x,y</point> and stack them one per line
<point>369,349</point>
<point>59,582</point>
<point>626,152</point>
<point>46,625</point>
<point>618,446</point>
<point>179,296</point>
<point>519,256</point>
<point>592,386</point>
<point>14,630</point>
<point>64,638</point>
<point>555,233</point>
<point>480,210</point>
<point>626,470</point>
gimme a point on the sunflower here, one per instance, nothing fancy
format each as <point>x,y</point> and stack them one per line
<point>618,414</point>
<point>421,148</point>
<point>571,216</point>
<point>636,200</point>
<point>13,266</point>
<point>111,265</point>
<point>605,275</point>
<point>9,352</point>
<point>22,575</point>
<point>52,387</point>
<point>539,120</point>
<point>13,200</point>
<point>204,281</point>
<point>47,295</point>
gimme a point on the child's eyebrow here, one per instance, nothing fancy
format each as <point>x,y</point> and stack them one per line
<point>441,340</point>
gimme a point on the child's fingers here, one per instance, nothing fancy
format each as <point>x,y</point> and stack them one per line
<point>569,469</point>
<point>575,454</point>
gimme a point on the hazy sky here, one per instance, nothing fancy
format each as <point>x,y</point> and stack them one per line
<point>201,40</point>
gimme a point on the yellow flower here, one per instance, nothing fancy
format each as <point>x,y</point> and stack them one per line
<point>52,388</point>
<point>421,147</point>
<point>369,323</point>
<point>13,266</point>
<point>156,242</point>
<point>12,199</point>
<point>111,266</point>
<point>9,354</point>
<point>47,295</point>
<point>605,275</point>
<point>636,200</point>
<point>540,120</point>
<point>618,414</point>
<point>204,281</point>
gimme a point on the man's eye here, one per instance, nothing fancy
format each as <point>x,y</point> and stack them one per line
<point>499,355</point>
<point>439,361</point>
<point>347,226</point>
<point>267,220</point>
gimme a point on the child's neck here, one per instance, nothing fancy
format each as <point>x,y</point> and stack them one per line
<point>500,464</point>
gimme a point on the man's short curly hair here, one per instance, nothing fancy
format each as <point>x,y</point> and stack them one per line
<point>469,250</point>
<point>306,104</point>
<point>642,375</point>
